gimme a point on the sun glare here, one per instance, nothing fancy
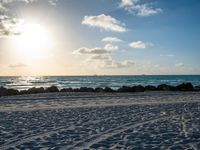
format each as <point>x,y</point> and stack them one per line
<point>33,42</point>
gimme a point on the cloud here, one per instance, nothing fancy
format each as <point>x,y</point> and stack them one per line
<point>85,50</point>
<point>111,47</point>
<point>167,55</point>
<point>104,22</point>
<point>25,1</point>
<point>2,8</point>
<point>108,48</point>
<point>126,3</point>
<point>157,65</point>
<point>102,57</point>
<point>9,25</point>
<point>107,61</point>
<point>135,7</point>
<point>53,2</point>
<point>5,3</point>
<point>17,65</point>
<point>140,45</point>
<point>125,63</point>
<point>179,65</point>
<point>11,1</point>
<point>145,10</point>
<point>112,64</point>
<point>111,39</point>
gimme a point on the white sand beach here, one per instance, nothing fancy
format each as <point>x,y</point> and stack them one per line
<point>150,120</point>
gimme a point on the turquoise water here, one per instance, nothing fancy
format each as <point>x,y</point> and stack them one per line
<point>95,81</point>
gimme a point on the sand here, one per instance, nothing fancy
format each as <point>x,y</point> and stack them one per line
<point>150,120</point>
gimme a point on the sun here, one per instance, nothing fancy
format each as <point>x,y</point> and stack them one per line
<point>33,41</point>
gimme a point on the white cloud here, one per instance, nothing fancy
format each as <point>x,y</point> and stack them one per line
<point>5,3</point>
<point>17,65</point>
<point>140,45</point>
<point>145,10</point>
<point>107,61</point>
<point>111,39</point>
<point>102,58</point>
<point>179,65</point>
<point>167,55</point>
<point>105,22</point>
<point>2,7</point>
<point>85,50</point>
<point>126,3</point>
<point>53,2</point>
<point>9,25</point>
<point>125,63</point>
<point>111,47</point>
<point>112,64</point>
<point>134,7</point>
<point>25,1</point>
<point>108,48</point>
<point>157,65</point>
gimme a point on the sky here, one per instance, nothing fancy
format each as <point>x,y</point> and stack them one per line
<point>99,37</point>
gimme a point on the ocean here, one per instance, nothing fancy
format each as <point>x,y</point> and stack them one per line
<point>25,82</point>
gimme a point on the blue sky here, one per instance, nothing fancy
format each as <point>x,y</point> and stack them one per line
<point>101,37</point>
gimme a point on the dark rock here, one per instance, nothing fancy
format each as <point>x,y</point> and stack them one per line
<point>126,89</point>
<point>165,87</point>
<point>138,88</point>
<point>76,90</point>
<point>90,90</point>
<point>7,92</point>
<point>197,88</point>
<point>12,92</point>
<point>185,87</point>
<point>173,88</point>
<point>2,91</point>
<point>98,89</point>
<point>52,89</point>
<point>66,90</point>
<point>108,90</point>
<point>35,90</point>
<point>150,88</point>
<point>23,92</point>
<point>85,89</point>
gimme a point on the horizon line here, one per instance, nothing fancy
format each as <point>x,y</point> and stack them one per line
<point>99,75</point>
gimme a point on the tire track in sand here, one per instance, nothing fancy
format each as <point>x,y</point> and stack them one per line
<point>109,133</point>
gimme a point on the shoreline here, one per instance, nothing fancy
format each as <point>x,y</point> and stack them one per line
<point>72,100</point>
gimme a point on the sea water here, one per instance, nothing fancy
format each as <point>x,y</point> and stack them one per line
<point>25,82</point>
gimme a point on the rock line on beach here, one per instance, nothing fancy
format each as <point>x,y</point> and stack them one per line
<point>124,89</point>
